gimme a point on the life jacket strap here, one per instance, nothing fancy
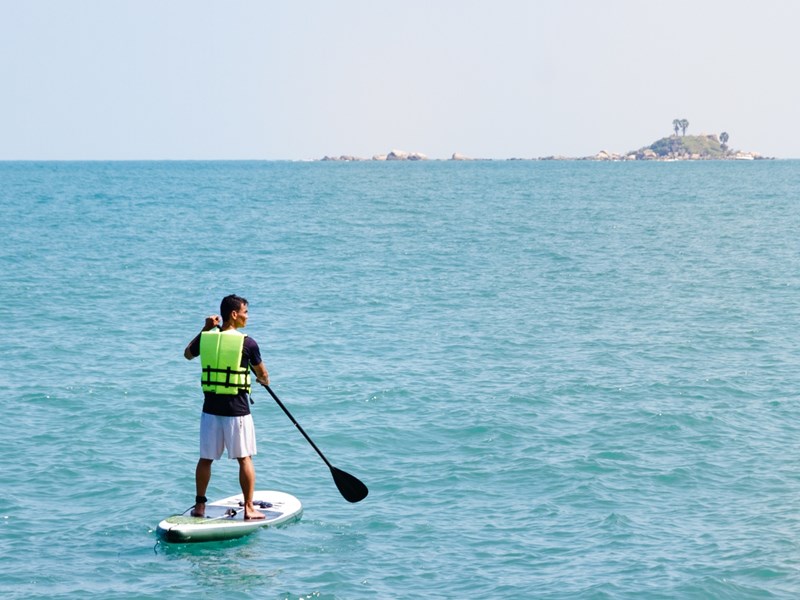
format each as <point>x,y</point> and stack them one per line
<point>208,370</point>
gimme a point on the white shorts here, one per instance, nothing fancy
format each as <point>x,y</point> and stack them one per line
<point>237,434</point>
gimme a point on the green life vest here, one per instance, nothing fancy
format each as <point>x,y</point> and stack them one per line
<point>221,358</point>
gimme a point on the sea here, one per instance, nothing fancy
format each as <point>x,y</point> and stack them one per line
<point>558,379</point>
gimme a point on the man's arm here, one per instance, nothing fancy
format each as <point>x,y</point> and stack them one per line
<point>261,373</point>
<point>211,322</point>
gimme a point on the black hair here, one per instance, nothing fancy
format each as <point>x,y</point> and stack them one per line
<point>230,304</point>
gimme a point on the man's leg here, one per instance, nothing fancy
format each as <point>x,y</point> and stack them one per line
<point>247,479</point>
<point>202,475</point>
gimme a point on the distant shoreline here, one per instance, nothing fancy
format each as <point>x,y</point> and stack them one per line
<point>668,149</point>
<point>9,161</point>
<point>594,158</point>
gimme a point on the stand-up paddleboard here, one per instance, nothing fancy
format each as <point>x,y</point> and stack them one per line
<point>224,519</point>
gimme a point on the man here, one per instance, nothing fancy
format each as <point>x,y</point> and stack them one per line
<point>226,357</point>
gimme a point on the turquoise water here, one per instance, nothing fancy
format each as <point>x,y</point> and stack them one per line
<point>558,380</point>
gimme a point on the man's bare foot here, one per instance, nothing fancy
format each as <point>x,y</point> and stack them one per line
<point>251,514</point>
<point>199,510</point>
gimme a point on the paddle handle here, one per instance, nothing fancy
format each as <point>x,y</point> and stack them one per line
<point>296,424</point>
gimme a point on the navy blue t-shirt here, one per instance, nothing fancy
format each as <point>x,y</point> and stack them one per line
<point>230,405</point>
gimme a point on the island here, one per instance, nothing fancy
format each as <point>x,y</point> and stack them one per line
<point>685,147</point>
<point>677,146</point>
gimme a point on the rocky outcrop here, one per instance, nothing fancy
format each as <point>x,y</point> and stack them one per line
<point>646,154</point>
<point>393,155</point>
<point>403,155</point>
<point>343,157</point>
<point>606,155</point>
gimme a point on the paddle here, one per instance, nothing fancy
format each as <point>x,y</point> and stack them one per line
<point>350,487</point>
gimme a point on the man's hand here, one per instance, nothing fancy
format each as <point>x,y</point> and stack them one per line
<point>211,322</point>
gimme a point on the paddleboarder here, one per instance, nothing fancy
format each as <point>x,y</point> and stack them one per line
<point>226,357</point>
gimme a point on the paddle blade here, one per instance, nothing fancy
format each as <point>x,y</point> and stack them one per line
<point>351,488</point>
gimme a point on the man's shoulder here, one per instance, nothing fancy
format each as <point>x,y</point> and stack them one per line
<point>252,351</point>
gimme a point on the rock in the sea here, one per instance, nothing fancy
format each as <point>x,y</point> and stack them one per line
<point>459,156</point>
<point>606,155</point>
<point>397,155</point>
<point>343,157</point>
<point>403,155</point>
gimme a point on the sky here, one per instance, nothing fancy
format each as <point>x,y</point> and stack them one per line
<point>302,79</point>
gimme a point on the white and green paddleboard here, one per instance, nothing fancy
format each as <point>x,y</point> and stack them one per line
<point>224,519</point>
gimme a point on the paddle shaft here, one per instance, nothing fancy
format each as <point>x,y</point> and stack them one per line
<point>296,424</point>
<point>350,487</point>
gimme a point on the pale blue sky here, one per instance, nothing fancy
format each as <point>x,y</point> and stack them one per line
<point>255,79</point>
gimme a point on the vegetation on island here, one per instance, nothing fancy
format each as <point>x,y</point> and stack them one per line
<point>681,124</point>
<point>701,146</point>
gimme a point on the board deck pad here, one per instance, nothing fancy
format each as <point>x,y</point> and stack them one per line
<point>224,519</point>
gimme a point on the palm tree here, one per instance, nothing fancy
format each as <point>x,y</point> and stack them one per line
<point>684,125</point>
<point>676,125</point>
<point>723,137</point>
